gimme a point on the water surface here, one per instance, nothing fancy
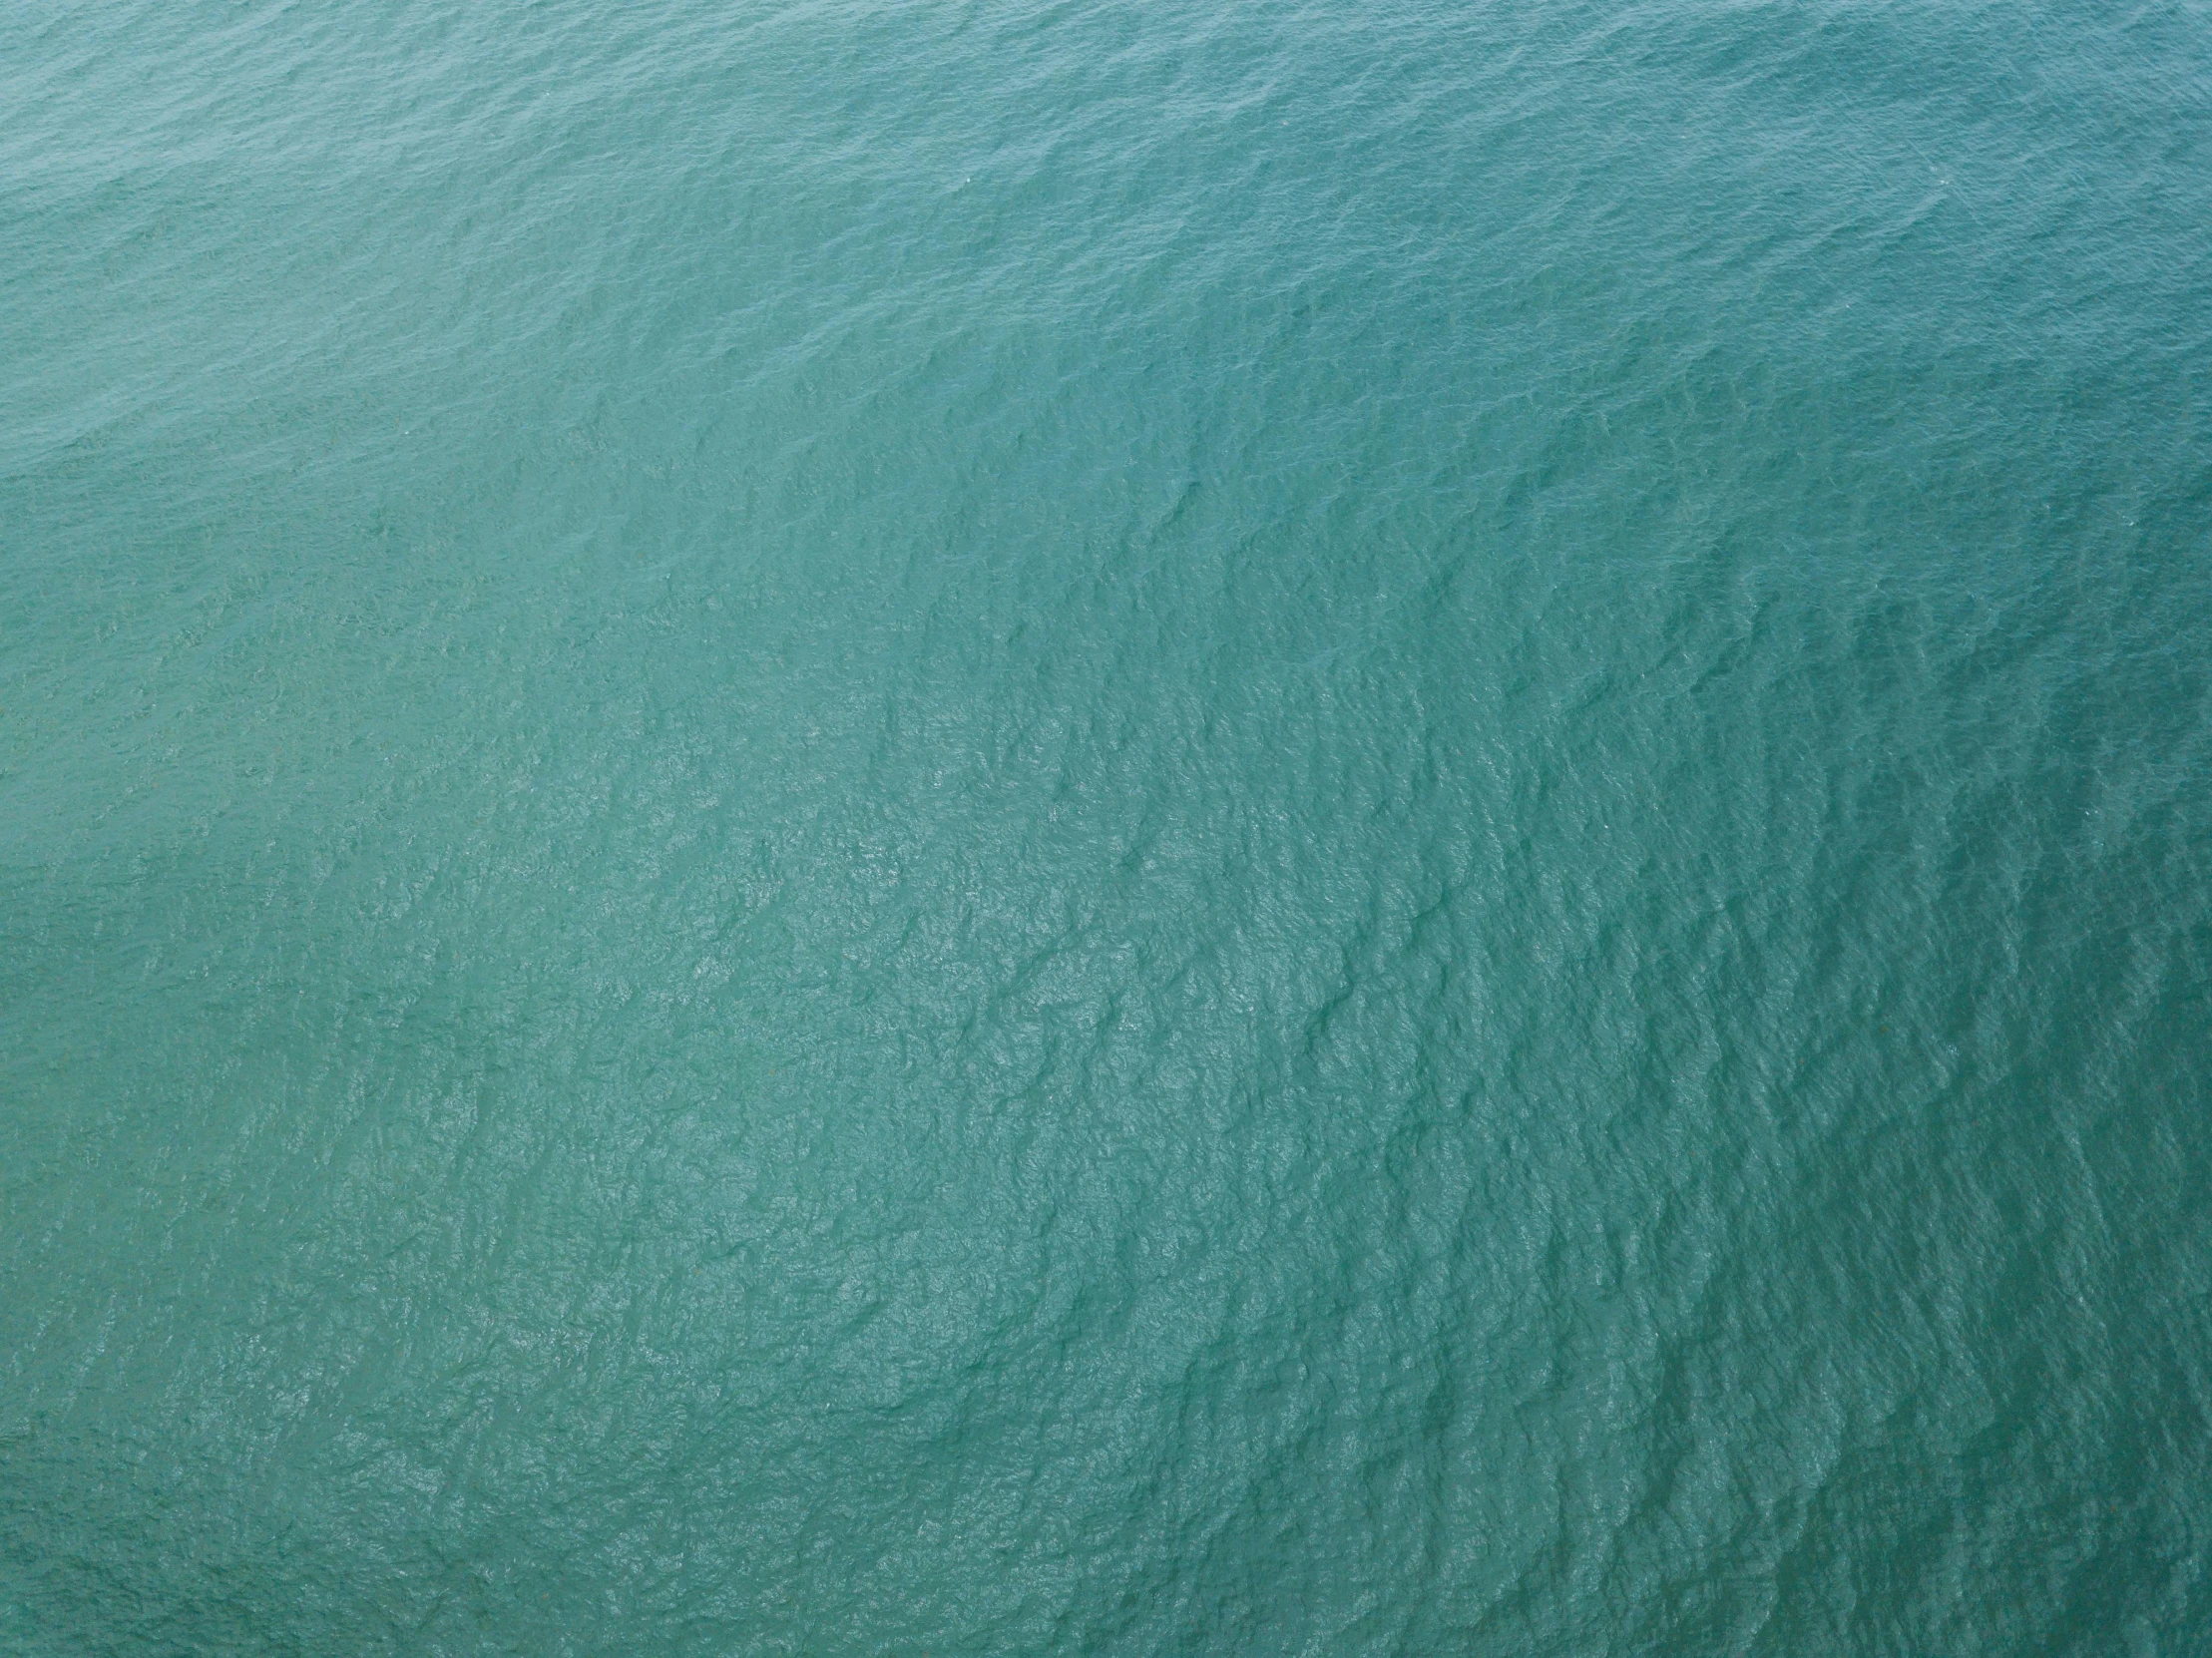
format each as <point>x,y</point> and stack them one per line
<point>1081,827</point>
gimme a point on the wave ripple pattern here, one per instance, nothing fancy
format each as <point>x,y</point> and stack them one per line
<point>1061,826</point>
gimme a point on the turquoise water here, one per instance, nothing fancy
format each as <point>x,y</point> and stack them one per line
<point>1043,826</point>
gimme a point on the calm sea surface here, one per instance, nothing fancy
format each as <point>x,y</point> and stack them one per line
<point>1074,826</point>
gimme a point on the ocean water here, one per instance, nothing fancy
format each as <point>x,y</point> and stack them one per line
<point>1061,826</point>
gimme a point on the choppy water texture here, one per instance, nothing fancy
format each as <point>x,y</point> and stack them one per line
<point>1049,826</point>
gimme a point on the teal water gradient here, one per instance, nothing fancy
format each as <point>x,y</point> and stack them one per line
<point>1039,827</point>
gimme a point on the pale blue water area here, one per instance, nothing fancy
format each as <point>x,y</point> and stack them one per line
<point>1063,827</point>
